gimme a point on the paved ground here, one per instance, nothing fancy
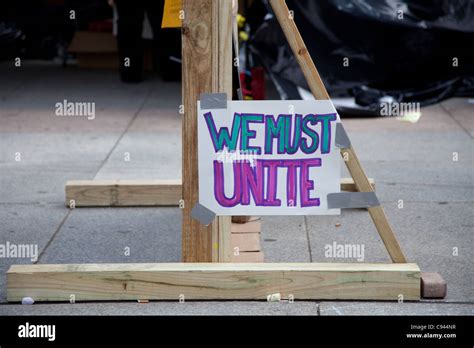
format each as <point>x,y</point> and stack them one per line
<point>410,162</point>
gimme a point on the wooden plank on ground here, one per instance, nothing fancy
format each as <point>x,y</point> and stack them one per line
<point>213,281</point>
<point>123,193</point>
<point>138,193</point>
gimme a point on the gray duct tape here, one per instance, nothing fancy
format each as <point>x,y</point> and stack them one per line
<point>342,140</point>
<point>202,214</point>
<point>213,101</point>
<point>342,200</point>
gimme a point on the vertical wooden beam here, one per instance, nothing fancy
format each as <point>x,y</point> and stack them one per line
<point>207,59</point>
<point>222,247</point>
<point>319,91</point>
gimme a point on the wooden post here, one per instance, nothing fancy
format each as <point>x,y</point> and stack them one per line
<point>207,68</point>
<point>319,91</point>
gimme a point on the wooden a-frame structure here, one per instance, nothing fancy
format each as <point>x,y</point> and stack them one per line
<point>207,271</point>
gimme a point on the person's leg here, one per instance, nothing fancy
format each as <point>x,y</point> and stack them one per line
<point>129,39</point>
<point>154,11</point>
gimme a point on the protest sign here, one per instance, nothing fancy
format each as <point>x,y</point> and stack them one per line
<point>268,157</point>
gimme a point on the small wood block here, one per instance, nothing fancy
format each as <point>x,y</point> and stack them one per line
<point>254,226</point>
<point>246,241</point>
<point>248,257</point>
<point>433,285</point>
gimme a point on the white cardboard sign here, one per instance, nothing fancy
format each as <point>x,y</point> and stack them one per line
<point>268,158</point>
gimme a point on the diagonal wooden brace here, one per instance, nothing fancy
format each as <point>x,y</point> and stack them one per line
<point>319,91</point>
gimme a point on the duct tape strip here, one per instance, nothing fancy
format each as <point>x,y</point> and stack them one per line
<point>343,200</point>
<point>202,214</point>
<point>342,140</point>
<point>213,101</point>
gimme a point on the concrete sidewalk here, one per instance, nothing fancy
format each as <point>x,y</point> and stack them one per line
<point>411,163</point>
